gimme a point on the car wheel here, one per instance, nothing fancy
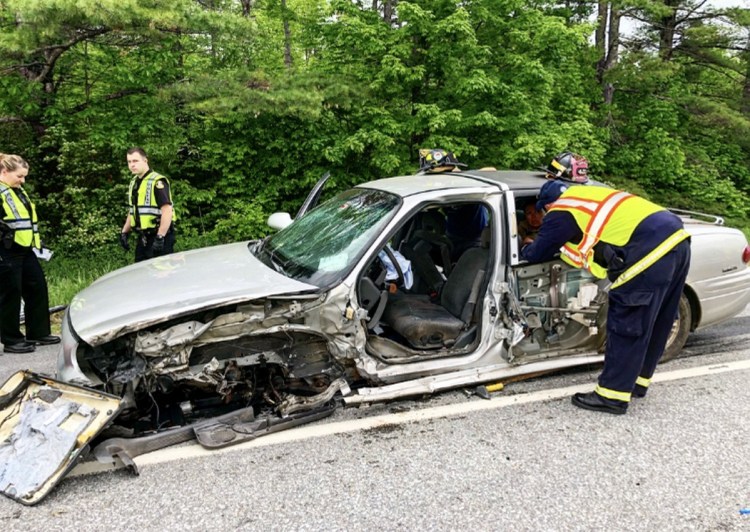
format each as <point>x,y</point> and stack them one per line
<point>680,330</point>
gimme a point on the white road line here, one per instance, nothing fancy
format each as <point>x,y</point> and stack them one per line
<point>327,429</point>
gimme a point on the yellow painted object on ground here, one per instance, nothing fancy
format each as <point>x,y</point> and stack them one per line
<point>484,391</point>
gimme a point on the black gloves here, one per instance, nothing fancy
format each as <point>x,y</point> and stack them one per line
<point>156,248</point>
<point>158,245</point>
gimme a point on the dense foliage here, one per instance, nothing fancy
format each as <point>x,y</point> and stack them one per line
<point>246,103</point>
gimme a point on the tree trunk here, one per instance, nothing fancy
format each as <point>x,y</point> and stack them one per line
<point>745,98</point>
<point>86,81</point>
<point>287,36</point>
<point>607,42</point>
<point>389,7</point>
<point>247,6</point>
<point>667,27</point>
<point>613,47</point>
<point>600,38</point>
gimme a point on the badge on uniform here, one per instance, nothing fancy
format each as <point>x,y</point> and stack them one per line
<point>160,184</point>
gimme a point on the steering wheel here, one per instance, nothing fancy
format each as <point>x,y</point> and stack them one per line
<point>374,289</point>
<point>400,280</point>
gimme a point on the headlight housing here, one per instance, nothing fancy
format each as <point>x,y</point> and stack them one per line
<point>68,369</point>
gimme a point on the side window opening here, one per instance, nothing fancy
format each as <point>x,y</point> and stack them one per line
<point>528,219</point>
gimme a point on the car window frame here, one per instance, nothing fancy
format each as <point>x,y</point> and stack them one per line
<point>495,219</point>
<point>356,259</point>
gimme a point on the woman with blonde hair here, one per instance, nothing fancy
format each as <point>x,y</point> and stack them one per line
<point>21,276</point>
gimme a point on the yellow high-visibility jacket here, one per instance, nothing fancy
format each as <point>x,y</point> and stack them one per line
<point>20,216</point>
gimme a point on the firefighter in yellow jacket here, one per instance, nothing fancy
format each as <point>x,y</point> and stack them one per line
<point>21,276</point>
<point>151,213</point>
<point>644,251</point>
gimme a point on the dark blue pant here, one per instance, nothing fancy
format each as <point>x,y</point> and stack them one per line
<point>21,276</point>
<point>639,320</point>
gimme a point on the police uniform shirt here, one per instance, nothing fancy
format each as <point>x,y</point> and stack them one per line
<point>161,191</point>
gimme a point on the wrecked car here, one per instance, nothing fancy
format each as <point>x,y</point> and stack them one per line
<point>365,297</point>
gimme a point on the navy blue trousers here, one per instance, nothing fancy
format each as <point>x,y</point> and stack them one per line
<point>639,320</point>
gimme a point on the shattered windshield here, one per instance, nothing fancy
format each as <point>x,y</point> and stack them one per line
<point>323,245</point>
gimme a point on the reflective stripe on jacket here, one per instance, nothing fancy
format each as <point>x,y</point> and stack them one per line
<point>17,216</point>
<point>609,216</point>
<point>148,208</point>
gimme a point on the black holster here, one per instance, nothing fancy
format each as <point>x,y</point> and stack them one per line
<point>7,235</point>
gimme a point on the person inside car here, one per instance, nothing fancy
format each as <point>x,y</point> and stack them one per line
<point>529,227</point>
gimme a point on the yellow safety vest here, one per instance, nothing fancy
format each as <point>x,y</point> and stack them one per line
<point>609,216</point>
<point>18,217</point>
<point>148,209</point>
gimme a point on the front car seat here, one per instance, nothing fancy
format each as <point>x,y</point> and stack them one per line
<point>428,325</point>
<point>427,247</point>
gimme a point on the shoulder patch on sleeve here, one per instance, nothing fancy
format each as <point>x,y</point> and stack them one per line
<point>160,184</point>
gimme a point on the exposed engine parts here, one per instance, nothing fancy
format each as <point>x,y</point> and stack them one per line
<point>249,357</point>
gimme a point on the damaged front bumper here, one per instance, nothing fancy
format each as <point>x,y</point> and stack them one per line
<point>47,426</point>
<point>228,429</point>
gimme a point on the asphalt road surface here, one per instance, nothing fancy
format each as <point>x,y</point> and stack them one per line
<point>525,460</point>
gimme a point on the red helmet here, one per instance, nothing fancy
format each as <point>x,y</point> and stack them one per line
<point>569,166</point>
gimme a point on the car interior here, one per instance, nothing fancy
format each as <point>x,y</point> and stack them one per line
<point>429,310</point>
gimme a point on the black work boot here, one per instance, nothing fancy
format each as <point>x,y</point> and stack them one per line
<point>20,347</point>
<point>45,340</point>
<point>594,401</point>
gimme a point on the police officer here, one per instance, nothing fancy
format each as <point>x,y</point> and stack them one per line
<point>21,276</point>
<point>644,251</point>
<point>151,213</point>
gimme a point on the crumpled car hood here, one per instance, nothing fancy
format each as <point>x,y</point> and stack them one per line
<point>152,291</point>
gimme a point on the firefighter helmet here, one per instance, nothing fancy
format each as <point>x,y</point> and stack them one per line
<point>569,166</point>
<point>437,161</point>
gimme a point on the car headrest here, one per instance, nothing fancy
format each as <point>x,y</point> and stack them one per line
<point>486,237</point>
<point>433,221</point>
